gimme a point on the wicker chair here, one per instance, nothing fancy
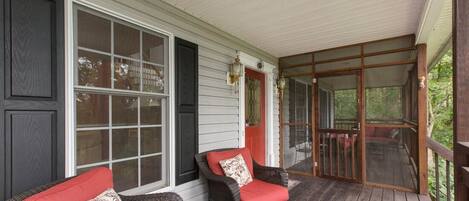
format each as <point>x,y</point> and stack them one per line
<point>150,197</point>
<point>222,188</point>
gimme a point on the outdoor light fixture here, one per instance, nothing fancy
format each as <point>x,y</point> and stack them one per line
<point>235,72</point>
<point>422,82</point>
<point>281,82</point>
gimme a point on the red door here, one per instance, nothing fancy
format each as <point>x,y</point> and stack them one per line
<point>254,93</point>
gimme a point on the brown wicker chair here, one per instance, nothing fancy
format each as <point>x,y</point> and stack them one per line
<point>222,188</point>
<point>150,197</point>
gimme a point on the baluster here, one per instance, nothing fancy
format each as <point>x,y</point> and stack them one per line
<point>448,186</point>
<point>437,177</point>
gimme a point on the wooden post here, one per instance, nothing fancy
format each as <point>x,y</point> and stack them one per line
<point>422,117</point>
<point>362,116</point>
<point>461,97</point>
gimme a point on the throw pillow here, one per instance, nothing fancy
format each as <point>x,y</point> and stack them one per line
<point>237,169</point>
<point>108,195</point>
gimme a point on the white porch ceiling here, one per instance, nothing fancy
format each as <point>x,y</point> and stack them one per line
<point>283,27</point>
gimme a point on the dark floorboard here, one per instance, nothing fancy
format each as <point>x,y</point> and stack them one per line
<point>320,189</point>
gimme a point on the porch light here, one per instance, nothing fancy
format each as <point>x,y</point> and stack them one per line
<point>235,72</point>
<point>281,85</point>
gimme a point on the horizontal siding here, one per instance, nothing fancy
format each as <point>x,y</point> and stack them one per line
<point>218,104</point>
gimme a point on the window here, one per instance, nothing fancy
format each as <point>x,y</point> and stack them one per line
<point>121,100</point>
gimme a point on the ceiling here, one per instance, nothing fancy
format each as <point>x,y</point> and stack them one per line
<point>283,27</point>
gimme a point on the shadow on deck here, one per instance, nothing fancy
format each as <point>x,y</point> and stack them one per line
<point>320,189</point>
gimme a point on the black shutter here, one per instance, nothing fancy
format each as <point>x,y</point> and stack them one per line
<point>31,94</point>
<point>187,135</point>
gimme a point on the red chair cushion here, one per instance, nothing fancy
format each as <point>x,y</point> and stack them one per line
<point>216,156</point>
<point>258,190</point>
<point>81,188</point>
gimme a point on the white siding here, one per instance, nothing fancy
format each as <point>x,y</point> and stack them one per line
<point>218,104</point>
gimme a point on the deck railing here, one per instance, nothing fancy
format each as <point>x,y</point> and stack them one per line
<point>443,186</point>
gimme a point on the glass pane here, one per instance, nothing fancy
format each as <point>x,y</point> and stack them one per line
<point>92,110</point>
<point>150,111</point>
<point>82,170</point>
<point>150,140</point>
<point>126,74</point>
<point>153,48</point>
<point>92,146</point>
<point>126,41</point>
<point>153,78</point>
<point>94,69</point>
<point>124,143</point>
<point>93,32</point>
<point>124,110</point>
<point>125,175</point>
<point>151,169</point>
<point>253,101</point>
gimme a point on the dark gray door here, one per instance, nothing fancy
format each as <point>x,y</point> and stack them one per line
<point>31,94</point>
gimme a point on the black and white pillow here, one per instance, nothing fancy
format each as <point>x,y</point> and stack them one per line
<point>108,195</point>
<point>237,169</point>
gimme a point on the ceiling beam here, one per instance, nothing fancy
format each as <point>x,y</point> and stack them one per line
<point>430,14</point>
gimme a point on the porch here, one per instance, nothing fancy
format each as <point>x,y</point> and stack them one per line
<point>314,188</point>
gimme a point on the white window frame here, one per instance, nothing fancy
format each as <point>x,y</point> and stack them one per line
<point>70,137</point>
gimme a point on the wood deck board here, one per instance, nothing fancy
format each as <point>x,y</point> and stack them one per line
<point>320,189</point>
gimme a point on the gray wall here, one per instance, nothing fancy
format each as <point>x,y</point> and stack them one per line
<point>218,105</point>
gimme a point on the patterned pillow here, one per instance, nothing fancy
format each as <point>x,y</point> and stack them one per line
<point>108,195</point>
<point>237,169</point>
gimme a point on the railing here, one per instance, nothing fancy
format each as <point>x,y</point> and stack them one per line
<point>442,158</point>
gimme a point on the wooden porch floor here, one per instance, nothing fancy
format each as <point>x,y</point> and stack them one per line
<point>314,188</point>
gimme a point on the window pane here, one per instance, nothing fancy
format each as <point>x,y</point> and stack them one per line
<point>150,111</point>
<point>92,146</point>
<point>92,110</point>
<point>124,143</point>
<point>126,41</point>
<point>94,69</point>
<point>153,48</point>
<point>150,140</point>
<point>153,78</point>
<point>82,170</point>
<point>124,110</point>
<point>125,175</point>
<point>93,32</point>
<point>151,169</point>
<point>126,74</point>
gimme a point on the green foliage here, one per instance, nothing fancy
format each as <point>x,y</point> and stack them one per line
<point>345,104</point>
<point>383,103</point>
<point>440,93</point>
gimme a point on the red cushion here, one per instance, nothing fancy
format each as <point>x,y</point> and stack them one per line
<point>214,157</point>
<point>81,188</point>
<point>258,190</point>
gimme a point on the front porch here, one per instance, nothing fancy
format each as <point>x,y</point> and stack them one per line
<point>314,188</point>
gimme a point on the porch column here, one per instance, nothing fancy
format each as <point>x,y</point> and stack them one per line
<point>422,118</point>
<point>461,97</point>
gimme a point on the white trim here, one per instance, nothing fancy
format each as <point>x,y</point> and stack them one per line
<point>430,14</point>
<point>251,62</point>
<point>69,86</point>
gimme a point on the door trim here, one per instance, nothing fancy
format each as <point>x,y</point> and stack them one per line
<point>250,62</point>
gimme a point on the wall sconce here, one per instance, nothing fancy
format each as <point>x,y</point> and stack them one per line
<point>422,82</point>
<point>234,73</point>
<point>281,82</point>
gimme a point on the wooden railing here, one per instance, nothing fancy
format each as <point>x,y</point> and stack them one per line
<point>440,152</point>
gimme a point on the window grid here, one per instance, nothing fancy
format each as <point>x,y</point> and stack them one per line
<point>110,92</point>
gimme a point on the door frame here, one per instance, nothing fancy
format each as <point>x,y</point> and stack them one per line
<point>360,115</point>
<point>267,69</point>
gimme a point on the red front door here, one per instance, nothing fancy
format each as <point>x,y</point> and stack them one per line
<point>254,93</point>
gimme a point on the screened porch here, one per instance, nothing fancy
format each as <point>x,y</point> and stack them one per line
<point>350,113</point>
